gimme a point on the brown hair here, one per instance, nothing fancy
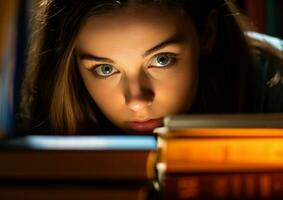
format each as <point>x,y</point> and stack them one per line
<point>55,99</point>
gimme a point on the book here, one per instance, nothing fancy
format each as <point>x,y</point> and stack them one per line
<point>8,44</point>
<point>272,13</point>
<point>280,22</point>
<point>224,121</point>
<point>221,142</point>
<point>236,185</point>
<point>255,10</point>
<point>221,154</point>
<point>221,157</point>
<point>69,191</point>
<point>106,158</point>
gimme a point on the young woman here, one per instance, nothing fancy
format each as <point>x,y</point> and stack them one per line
<point>113,66</point>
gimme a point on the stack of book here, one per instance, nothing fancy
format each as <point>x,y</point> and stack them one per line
<point>221,157</point>
<point>78,167</point>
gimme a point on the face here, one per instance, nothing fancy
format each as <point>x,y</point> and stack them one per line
<point>139,65</point>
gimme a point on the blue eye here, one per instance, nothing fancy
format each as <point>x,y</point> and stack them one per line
<point>162,60</point>
<point>105,70</point>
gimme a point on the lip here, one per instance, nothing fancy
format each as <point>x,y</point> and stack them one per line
<point>146,125</point>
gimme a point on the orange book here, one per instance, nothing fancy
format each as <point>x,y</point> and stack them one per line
<point>221,143</point>
<point>221,154</point>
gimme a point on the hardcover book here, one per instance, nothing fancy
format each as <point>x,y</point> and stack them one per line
<point>221,157</point>
<point>78,157</point>
<point>78,167</point>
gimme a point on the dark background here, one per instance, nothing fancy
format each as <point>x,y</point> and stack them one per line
<point>266,15</point>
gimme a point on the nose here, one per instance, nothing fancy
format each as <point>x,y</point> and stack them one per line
<point>138,92</point>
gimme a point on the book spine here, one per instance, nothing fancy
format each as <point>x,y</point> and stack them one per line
<point>8,34</point>
<point>224,186</point>
<point>280,22</point>
<point>271,17</point>
<point>248,151</point>
<point>255,9</point>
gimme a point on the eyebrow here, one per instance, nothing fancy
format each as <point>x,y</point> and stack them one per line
<point>169,41</point>
<point>88,56</point>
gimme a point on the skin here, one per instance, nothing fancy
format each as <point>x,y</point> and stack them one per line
<point>151,67</point>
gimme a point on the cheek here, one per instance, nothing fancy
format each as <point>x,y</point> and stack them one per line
<point>104,93</point>
<point>101,95</point>
<point>105,96</point>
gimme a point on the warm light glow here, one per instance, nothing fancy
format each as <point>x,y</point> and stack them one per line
<point>212,149</point>
<point>222,132</point>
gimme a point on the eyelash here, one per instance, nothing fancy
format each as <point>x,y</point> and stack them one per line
<point>93,70</point>
<point>172,56</point>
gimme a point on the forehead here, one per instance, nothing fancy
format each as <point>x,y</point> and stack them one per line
<point>138,27</point>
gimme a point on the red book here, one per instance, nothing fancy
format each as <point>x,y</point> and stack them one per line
<point>255,10</point>
<point>236,185</point>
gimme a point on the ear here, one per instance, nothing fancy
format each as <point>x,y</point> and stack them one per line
<point>209,33</point>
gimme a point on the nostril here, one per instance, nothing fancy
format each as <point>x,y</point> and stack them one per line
<point>138,92</point>
<point>140,100</point>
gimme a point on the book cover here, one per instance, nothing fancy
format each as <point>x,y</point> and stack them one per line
<point>78,157</point>
<point>204,154</point>
<point>221,142</point>
<point>225,121</point>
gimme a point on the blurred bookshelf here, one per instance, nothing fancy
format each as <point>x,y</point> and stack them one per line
<point>8,44</point>
<point>265,15</point>
<point>14,19</point>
